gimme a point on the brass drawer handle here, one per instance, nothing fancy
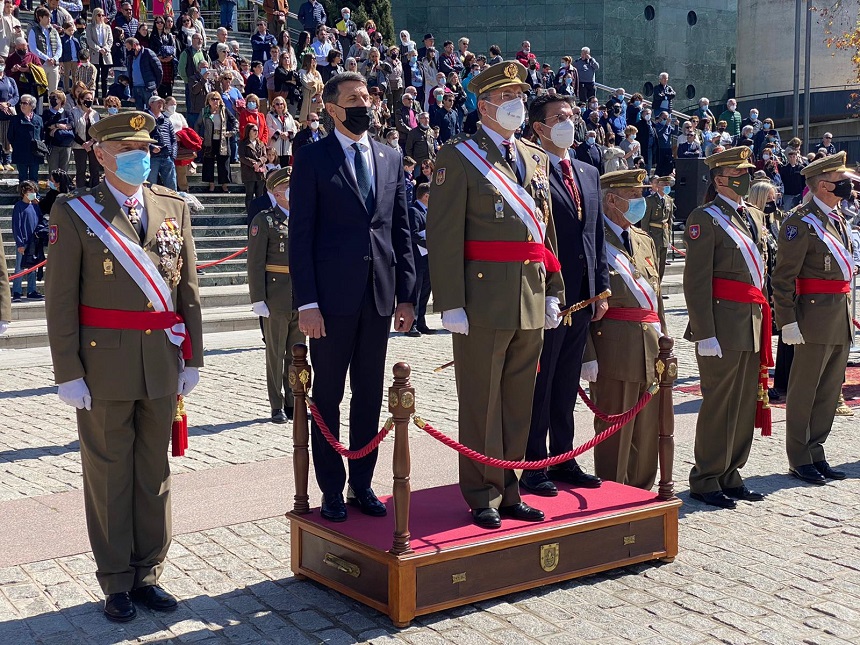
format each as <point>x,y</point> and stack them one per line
<point>342,565</point>
<point>629,539</point>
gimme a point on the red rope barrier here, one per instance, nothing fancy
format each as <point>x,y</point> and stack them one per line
<point>609,418</point>
<point>229,257</point>
<point>339,448</point>
<point>677,250</point>
<point>30,270</point>
<point>856,324</point>
<point>543,463</point>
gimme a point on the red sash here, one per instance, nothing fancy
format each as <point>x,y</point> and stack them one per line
<point>494,251</point>
<point>805,286</point>
<point>632,314</point>
<point>139,320</point>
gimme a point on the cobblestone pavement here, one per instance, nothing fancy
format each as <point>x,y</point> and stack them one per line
<point>786,570</point>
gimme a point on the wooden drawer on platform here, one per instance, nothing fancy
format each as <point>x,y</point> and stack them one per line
<point>345,566</point>
<point>480,572</point>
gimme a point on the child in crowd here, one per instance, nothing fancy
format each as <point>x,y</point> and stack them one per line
<point>408,180</point>
<point>272,162</point>
<point>26,216</point>
<point>252,158</point>
<point>71,51</point>
<point>120,88</point>
<point>86,72</point>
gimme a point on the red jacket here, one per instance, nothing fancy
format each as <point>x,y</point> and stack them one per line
<point>257,118</point>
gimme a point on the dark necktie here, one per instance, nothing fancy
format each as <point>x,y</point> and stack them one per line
<point>625,238</point>
<point>511,161</point>
<point>837,221</point>
<point>745,216</point>
<point>567,174</point>
<point>131,205</point>
<point>362,176</point>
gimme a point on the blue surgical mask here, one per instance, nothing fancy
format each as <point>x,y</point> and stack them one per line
<point>637,103</point>
<point>113,110</point>
<point>31,196</point>
<point>635,210</point>
<point>766,126</point>
<point>133,167</point>
<point>753,115</point>
<point>52,185</point>
<point>252,105</point>
<point>590,141</point>
<point>667,190</point>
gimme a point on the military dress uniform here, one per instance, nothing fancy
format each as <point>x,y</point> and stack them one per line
<point>625,345</point>
<point>269,282</point>
<point>724,428</point>
<point>496,362</point>
<point>810,289</point>
<point>131,370</point>
<point>659,212</point>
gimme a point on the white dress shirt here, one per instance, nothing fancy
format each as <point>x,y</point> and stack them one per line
<point>120,198</point>
<point>496,138</point>
<point>366,153</point>
<point>555,161</point>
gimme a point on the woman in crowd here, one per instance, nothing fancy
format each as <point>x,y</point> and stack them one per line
<point>252,160</point>
<point>334,67</point>
<point>285,78</point>
<point>360,46</point>
<point>226,63</point>
<point>427,169</point>
<point>184,31</point>
<point>351,65</point>
<point>631,147</point>
<point>112,105</point>
<point>312,87</point>
<point>142,35</point>
<point>634,109</point>
<point>26,216</point>
<point>10,27</point>
<point>725,138</point>
<point>303,45</point>
<point>372,70</point>
<point>428,75</point>
<point>59,131</point>
<point>25,136</point>
<point>215,126</point>
<point>163,43</point>
<point>282,129</point>
<point>59,183</point>
<point>249,112</point>
<point>396,81</point>
<point>285,41</point>
<point>453,84</point>
<point>767,136</point>
<point>84,116</point>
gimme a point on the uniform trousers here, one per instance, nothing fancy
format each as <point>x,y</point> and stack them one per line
<point>630,455</point>
<point>495,371</point>
<point>422,279</point>
<point>814,384</point>
<point>724,429</point>
<point>127,488</point>
<point>281,332</point>
<point>661,259</point>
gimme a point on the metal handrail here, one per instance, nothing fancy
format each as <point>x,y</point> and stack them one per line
<point>680,115</point>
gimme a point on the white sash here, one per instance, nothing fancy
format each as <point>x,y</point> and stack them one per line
<point>834,245</point>
<point>747,246</point>
<point>639,287</point>
<point>515,195</point>
<point>133,259</point>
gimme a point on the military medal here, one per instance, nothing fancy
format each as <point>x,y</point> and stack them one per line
<point>169,240</point>
<point>500,207</point>
<point>90,232</point>
<point>108,266</point>
<point>827,263</point>
<point>281,247</point>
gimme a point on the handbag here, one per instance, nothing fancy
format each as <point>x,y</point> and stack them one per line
<point>39,148</point>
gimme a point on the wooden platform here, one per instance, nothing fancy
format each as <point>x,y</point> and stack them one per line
<point>453,562</point>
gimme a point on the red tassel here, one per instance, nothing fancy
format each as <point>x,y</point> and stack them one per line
<point>179,430</point>
<point>762,408</point>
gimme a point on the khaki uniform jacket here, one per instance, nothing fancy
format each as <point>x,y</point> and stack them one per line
<point>627,350</point>
<point>268,244</point>
<point>823,318</point>
<point>711,253</point>
<point>658,220</point>
<point>496,295</point>
<point>5,293</point>
<point>119,364</point>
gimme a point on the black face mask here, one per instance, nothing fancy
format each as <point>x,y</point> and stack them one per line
<point>357,119</point>
<point>770,207</point>
<point>88,103</point>
<point>842,188</point>
<point>54,101</point>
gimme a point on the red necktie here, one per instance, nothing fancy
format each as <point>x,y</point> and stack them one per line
<point>567,174</point>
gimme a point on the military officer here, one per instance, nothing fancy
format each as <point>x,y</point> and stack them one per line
<point>811,286</point>
<point>5,295</point>
<point>622,347</point>
<point>125,331</point>
<point>659,211</point>
<point>496,279</point>
<point>272,291</point>
<point>723,278</point>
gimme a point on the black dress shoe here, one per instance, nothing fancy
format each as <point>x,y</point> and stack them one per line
<point>424,329</point>
<point>35,295</point>
<point>809,474</point>
<point>289,412</point>
<point>333,509</point>
<point>278,416</point>
<point>154,598</point>
<point>716,498</point>
<point>572,473</point>
<point>826,471</point>
<point>413,332</point>
<point>744,493</point>
<point>119,608</point>
<point>521,511</point>
<point>367,502</point>
<point>536,481</point>
<point>486,518</point>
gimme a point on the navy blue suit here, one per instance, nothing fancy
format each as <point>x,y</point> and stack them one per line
<point>583,267</point>
<point>418,219</point>
<point>355,264</point>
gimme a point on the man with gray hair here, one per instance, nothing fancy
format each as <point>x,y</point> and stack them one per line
<point>585,67</point>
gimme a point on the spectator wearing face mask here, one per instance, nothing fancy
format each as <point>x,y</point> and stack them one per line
<point>495,55</point>
<point>723,138</point>
<point>589,152</point>
<point>793,181</point>
<point>634,109</point>
<point>630,145</point>
<point>646,135</point>
<point>667,130</point>
<point>586,66</point>
<point>447,119</point>
<point>745,138</point>
<point>766,136</point>
<point>753,120</point>
<point>704,111</point>
<point>449,61</point>
<point>525,55</point>
<point>617,119</point>
<point>732,118</point>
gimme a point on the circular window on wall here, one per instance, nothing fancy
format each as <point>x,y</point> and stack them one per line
<point>691,91</point>
<point>648,89</point>
<point>692,18</point>
<point>649,12</point>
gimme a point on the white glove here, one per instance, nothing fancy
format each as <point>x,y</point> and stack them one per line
<point>75,393</point>
<point>589,371</point>
<point>260,308</point>
<point>791,334</point>
<point>456,321</point>
<point>552,317</point>
<point>189,377</point>
<point>3,327</point>
<point>709,347</point>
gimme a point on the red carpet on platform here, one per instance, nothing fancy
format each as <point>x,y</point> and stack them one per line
<point>850,389</point>
<point>439,518</point>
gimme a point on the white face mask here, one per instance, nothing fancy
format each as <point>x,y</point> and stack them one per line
<point>315,125</point>
<point>510,114</point>
<point>562,134</point>
<point>171,110</point>
<point>732,108</point>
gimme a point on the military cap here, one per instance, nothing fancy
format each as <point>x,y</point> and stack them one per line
<point>737,157</point>
<point>128,126</point>
<point>624,179</point>
<point>508,73</point>
<point>832,163</point>
<point>278,177</point>
<point>669,179</point>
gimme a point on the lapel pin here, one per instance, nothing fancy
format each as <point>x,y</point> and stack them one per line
<point>535,157</point>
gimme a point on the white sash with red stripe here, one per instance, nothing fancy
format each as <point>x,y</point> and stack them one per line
<point>133,259</point>
<point>834,245</point>
<point>515,195</point>
<point>638,286</point>
<point>747,246</point>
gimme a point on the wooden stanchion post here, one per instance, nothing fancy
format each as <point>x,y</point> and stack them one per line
<point>667,371</point>
<point>300,381</point>
<point>401,405</point>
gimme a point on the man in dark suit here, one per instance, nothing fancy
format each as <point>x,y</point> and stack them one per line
<point>578,216</point>
<point>311,133</point>
<point>589,152</point>
<point>351,260</point>
<point>647,138</point>
<point>418,220</point>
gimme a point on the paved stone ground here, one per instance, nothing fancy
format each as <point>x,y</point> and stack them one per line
<point>783,571</point>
